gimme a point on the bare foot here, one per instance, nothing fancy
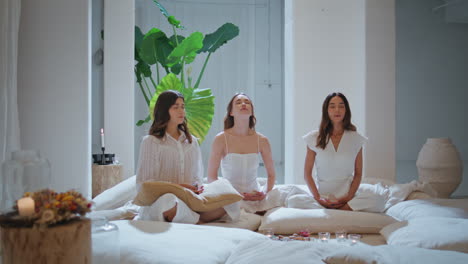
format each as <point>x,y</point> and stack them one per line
<point>170,214</point>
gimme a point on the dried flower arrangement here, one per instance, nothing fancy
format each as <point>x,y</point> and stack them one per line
<point>49,208</point>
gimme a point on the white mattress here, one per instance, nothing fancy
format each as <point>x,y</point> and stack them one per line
<point>159,242</point>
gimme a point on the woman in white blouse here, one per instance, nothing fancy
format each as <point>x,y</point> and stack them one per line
<point>170,153</point>
<point>336,151</point>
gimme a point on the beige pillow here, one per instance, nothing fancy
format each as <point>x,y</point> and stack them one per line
<point>215,195</point>
<point>292,220</point>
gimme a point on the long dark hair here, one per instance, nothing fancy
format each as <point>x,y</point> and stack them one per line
<point>229,120</point>
<point>326,126</point>
<point>161,115</point>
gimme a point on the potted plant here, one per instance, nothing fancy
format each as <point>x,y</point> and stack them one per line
<point>169,57</point>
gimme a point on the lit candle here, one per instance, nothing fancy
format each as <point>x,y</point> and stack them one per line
<point>324,236</point>
<point>26,206</point>
<point>340,235</point>
<point>355,238</point>
<point>102,138</point>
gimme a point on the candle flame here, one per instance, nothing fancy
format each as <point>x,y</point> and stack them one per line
<point>102,131</point>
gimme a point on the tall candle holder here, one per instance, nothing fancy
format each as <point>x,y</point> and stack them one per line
<point>103,156</point>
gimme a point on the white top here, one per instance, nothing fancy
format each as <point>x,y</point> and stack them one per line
<point>171,160</point>
<point>241,169</point>
<point>335,168</point>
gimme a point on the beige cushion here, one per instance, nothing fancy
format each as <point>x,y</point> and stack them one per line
<point>215,195</point>
<point>432,232</point>
<point>418,195</point>
<point>292,220</point>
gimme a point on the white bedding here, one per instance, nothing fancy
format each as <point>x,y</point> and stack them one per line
<point>159,242</point>
<point>453,208</point>
<point>268,251</point>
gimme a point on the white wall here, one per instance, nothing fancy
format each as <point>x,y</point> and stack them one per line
<point>54,88</point>
<point>119,120</point>
<point>325,52</point>
<point>431,79</point>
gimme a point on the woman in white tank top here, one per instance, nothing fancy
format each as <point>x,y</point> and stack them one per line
<point>237,150</point>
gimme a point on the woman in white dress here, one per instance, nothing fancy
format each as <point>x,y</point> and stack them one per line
<point>170,153</point>
<point>237,150</point>
<point>336,152</point>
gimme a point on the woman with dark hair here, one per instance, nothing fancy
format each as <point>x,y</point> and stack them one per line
<point>336,151</point>
<point>170,153</point>
<point>237,150</point>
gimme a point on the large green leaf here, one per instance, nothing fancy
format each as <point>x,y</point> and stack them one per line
<point>221,36</point>
<point>138,38</point>
<point>200,111</point>
<point>173,40</point>
<point>187,50</point>
<point>155,47</point>
<point>199,105</point>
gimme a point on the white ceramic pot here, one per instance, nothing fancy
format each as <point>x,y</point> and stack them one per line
<point>440,166</point>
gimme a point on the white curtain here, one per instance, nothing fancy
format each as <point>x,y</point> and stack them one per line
<point>9,124</point>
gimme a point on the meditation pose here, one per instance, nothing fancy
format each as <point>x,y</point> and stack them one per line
<point>237,150</point>
<point>170,153</point>
<point>336,152</point>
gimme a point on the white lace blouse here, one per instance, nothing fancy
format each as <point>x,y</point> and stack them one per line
<point>171,160</point>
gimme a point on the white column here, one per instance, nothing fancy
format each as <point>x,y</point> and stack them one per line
<point>380,90</point>
<point>119,121</point>
<point>54,88</point>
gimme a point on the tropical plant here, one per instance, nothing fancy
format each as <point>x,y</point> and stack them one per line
<point>170,56</point>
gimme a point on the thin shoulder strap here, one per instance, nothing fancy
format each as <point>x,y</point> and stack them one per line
<point>225,141</point>
<point>258,143</point>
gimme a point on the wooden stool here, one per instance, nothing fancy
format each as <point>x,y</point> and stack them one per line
<point>106,176</point>
<point>65,243</point>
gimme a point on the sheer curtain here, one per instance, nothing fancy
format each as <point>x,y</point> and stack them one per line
<point>9,124</point>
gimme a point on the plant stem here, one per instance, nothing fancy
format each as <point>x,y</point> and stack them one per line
<point>147,86</point>
<point>154,84</point>
<point>202,71</point>
<point>175,35</point>
<point>157,75</point>
<point>144,94</point>
<point>182,72</point>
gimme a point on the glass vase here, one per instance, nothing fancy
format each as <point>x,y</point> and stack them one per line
<point>105,241</point>
<point>26,171</point>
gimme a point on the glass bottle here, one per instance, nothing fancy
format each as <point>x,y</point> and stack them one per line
<point>105,241</point>
<point>26,171</point>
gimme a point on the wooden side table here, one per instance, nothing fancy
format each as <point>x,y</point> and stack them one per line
<point>106,176</point>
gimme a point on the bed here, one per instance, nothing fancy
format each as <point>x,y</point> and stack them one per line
<point>419,229</point>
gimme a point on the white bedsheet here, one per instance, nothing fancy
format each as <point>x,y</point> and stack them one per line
<point>273,252</point>
<point>159,242</point>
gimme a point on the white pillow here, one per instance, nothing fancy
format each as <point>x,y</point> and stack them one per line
<point>292,220</point>
<point>364,254</point>
<point>428,208</point>
<point>116,196</point>
<point>432,232</point>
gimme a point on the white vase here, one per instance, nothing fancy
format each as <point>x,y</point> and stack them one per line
<point>440,166</point>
